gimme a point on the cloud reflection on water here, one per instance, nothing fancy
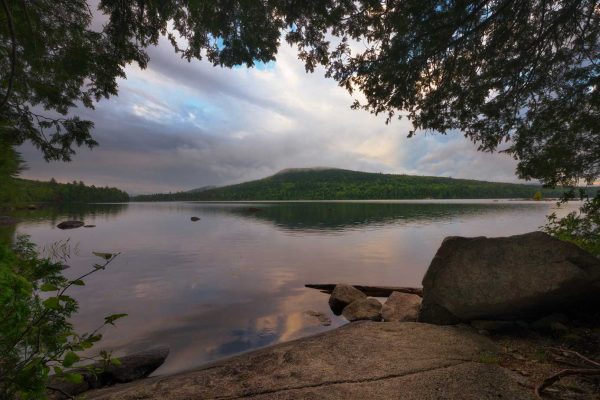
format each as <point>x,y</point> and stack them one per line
<point>233,281</point>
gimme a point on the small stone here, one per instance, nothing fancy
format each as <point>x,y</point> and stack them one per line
<point>545,324</point>
<point>195,219</point>
<point>363,309</point>
<point>559,328</point>
<point>343,295</point>
<point>495,326</point>
<point>402,307</point>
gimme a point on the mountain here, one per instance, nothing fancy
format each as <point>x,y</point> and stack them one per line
<point>341,184</point>
<point>201,189</point>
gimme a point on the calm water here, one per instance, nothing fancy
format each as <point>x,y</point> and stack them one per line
<point>234,281</point>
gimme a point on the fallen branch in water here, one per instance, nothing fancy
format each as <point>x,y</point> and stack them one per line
<point>373,291</point>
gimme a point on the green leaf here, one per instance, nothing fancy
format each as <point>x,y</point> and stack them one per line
<point>106,256</point>
<point>57,370</point>
<point>73,378</point>
<point>78,282</point>
<point>52,303</point>
<point>112,318</point>
<point>115,361</point>
<point>48,287</point>
<point>70,359</point>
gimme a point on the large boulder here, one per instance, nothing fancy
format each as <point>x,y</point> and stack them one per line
<point>401,307</point>
<point>363,309</point>
<point>343,295</point>
<point>523,276</point>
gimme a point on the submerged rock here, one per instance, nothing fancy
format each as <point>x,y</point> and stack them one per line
<point>70,224</point>
<point>131,367</point>
<point>516,277</point>
<point>324,320</point>
<point>343,295</point>
<point>137,366</point>
<point>195,219</point>
<point>363,309</point>
<point>402,307</point>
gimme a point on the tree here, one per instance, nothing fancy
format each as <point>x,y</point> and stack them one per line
<point>526,72</point>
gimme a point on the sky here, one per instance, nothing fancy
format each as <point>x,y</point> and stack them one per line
<point>179,125</point>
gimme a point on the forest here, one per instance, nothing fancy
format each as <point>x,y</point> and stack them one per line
<point>339,184</point>
<point>29,191</point>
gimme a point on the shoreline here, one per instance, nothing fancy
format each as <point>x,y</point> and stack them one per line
<point>358,360</point>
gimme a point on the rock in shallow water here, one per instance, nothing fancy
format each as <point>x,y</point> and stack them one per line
<point>324,320</point>
<point>132,367</point>
<point>363,309</point>
<point>6,220</point>
<point>401,307</point>
<point>70,224</point>
<point>515,277</point>
<point>343,295</point>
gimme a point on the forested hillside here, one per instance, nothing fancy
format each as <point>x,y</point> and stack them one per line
<point>28,191</point>
<point>339,184</point>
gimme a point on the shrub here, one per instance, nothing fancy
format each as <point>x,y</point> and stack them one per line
<point>36,336</point>
<point>579,227</point>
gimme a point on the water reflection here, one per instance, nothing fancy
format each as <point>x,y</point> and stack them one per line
<point>340,216</point>
<point>234,280</point>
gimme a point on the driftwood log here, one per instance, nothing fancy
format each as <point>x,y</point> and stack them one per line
<point>373,291</point>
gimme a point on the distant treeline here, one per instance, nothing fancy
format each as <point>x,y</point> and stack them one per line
<point>28,191</point>
<point>338,184</point>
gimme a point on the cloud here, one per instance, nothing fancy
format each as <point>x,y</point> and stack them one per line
<point>179,125</point>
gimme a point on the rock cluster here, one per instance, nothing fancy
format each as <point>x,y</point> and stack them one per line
<point>342,296</point>
<point>496,284</point>
<point>354,305</point>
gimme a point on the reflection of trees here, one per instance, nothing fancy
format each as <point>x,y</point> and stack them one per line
<point>7,233</point>
<point>340,216</point>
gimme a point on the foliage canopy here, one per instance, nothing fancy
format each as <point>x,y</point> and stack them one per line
<point>526,72</point>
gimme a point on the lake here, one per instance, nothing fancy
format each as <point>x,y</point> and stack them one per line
<point>234,281</point>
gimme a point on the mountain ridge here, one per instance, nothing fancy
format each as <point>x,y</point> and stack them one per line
<point>323,183</point>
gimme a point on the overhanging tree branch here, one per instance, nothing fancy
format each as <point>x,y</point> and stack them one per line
<point>13,53</point>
